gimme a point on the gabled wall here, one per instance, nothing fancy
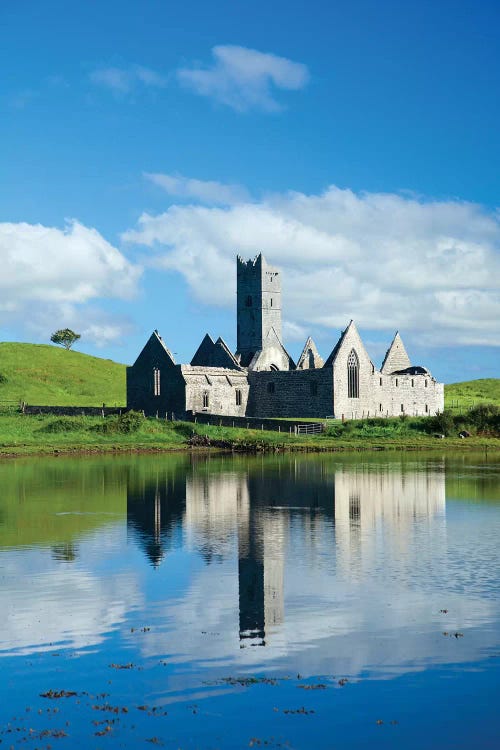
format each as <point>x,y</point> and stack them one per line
<point>140,381</point>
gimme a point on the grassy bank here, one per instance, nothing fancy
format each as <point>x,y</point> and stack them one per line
<point>43,434</point>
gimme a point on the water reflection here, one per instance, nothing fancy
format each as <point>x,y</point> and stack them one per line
<point>327,563</point>
<point>357,512</point>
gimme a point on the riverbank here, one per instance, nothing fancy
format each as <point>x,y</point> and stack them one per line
<point>22,435</point>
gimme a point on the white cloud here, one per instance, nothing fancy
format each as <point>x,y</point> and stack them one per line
<point>244,78</point>
<point>205,191</point>
<point>124,80</point>
<point>430,268</point>
<point>52,276</point>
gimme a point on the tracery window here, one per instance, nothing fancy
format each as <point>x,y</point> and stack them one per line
<point>353,375</point>
<point>205,399</point>
<point>156,381</point>
<point>238,397</point>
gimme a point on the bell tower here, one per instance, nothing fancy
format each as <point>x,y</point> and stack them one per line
<point>258,302</point>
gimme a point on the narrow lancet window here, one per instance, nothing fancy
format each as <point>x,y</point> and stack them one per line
<point>156,381</point>
<point>238,397</point>
<point>353,375</point>
<point>205,399</point>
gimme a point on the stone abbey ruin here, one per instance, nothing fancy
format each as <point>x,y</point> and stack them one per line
<point>261,380</point>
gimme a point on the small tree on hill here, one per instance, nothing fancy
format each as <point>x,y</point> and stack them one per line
<point>65,337</point>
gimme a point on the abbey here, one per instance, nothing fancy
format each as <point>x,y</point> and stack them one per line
<point>262,380</point>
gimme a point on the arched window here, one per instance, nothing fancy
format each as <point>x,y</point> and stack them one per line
<point>156,381</point>
<point>353,375</point>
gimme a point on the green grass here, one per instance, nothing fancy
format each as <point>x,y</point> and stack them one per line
<point>44,434</point>
<point>472,392</point>
<point>49,375</point>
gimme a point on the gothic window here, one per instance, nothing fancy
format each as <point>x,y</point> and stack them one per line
<point>205,399</point>
<point>248,302</point>
<point>238,397</point>
<point>270,387</point>
<point>156,381</point>
<point>352,375</point>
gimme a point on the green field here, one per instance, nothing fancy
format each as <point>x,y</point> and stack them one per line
<point>472,392</point>
<point>49,375</point>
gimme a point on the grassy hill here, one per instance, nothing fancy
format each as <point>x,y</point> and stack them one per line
<point>473,392</point>
<point>50,375</point>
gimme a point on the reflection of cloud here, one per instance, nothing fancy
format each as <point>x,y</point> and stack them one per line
<point>60,606</point>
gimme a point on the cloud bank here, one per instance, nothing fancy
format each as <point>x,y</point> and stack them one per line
<point>245,79</point>
<point>50,278</point>
<point>428,267</point>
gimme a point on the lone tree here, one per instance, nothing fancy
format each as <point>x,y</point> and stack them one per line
<point>65,337</point>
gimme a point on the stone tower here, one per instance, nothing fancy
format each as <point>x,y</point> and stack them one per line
<point>258,295</point>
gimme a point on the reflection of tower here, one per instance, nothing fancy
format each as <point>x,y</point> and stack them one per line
<point>251,580</point>
<point>155,506</point>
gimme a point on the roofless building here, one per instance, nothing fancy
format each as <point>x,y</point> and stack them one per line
<point>261,379</point>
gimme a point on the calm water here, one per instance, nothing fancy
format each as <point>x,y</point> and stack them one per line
<point>295,602</point>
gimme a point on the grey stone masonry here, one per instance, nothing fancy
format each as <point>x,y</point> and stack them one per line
<point>298,393</point>
<point>258,300</point>
<point>396,357</point>
<point>262,381</point>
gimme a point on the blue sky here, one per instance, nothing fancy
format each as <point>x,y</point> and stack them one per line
<point>357,144</point>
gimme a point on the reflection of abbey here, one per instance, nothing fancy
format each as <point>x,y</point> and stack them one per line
<point>261,379</point>
<point>267,522</point>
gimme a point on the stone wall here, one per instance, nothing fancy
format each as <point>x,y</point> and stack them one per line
<point>297,393</point>
<point>220,386</point>
<point>141,387</point>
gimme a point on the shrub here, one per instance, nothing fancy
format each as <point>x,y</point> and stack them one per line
<point>3,379</point>
<point>443,422</point>
<point>64,424</point>
<point>484,417</point>
<point>125,423</point>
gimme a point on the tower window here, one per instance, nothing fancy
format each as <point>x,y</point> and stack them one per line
<point>248,301</point>
<point>352,375</point>
<point>238,397</point>
<point>270,388</point>
<point>156,381</point>
<point>205,399</point>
